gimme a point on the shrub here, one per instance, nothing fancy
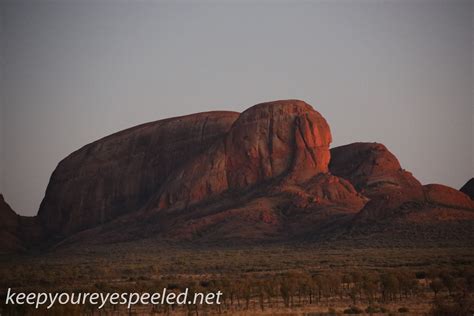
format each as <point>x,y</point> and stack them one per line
<point>204,283</point>
<point>172,286</point>
<point>384,310</point>
<point>353,310</point>
<point>403,310</point>
<point>372,309</point>
<point>436,285</point>
<point>331,311</point>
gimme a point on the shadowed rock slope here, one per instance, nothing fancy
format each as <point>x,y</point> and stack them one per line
<point>468,188</point>
<point>17,233</point>
<point>120,173</point>
<point>265,175</point>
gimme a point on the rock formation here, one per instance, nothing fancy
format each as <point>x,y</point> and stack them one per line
<point>17,233</point>
<point>265,142</point>
<point>8,218</point>
<point>266,174</point>
<point>468,188</point>
<point>377,174</point>
<point>119,173</point>
<point>9,223</point>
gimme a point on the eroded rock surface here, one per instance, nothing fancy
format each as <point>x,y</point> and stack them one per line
<point>264,175</point>
<point>267,141</point>
<point>119,173</point>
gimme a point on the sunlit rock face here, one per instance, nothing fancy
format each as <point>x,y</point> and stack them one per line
<point>267,141</point>
<point>272,138</point>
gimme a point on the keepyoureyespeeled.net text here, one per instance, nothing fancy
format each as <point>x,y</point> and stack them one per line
<point>100,300</point>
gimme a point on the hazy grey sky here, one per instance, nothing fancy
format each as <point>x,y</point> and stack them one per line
<point>395,72</point>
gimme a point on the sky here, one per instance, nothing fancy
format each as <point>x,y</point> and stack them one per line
<point>395,72</point>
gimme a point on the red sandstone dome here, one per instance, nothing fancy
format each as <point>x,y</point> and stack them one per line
<point>265,142</point>
<point>266,174</point>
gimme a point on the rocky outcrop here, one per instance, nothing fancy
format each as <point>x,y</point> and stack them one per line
<point>177,162</point>
<point>391,191</point>
<point>272,138</point>
<point>17,233</point>
<point>361,163</point>
<point>376,173</point>
<point>266,174</point>
<point>468,188</point>
<point>266,141</point>
<point>445,196</point>
<point>8,218</point>
<point>10,241</point>
<point>9,222</point>
<point>373,170</point>
<point>119,173</point>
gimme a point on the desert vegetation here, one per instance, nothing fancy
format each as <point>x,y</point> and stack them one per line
<point>286,280</point>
